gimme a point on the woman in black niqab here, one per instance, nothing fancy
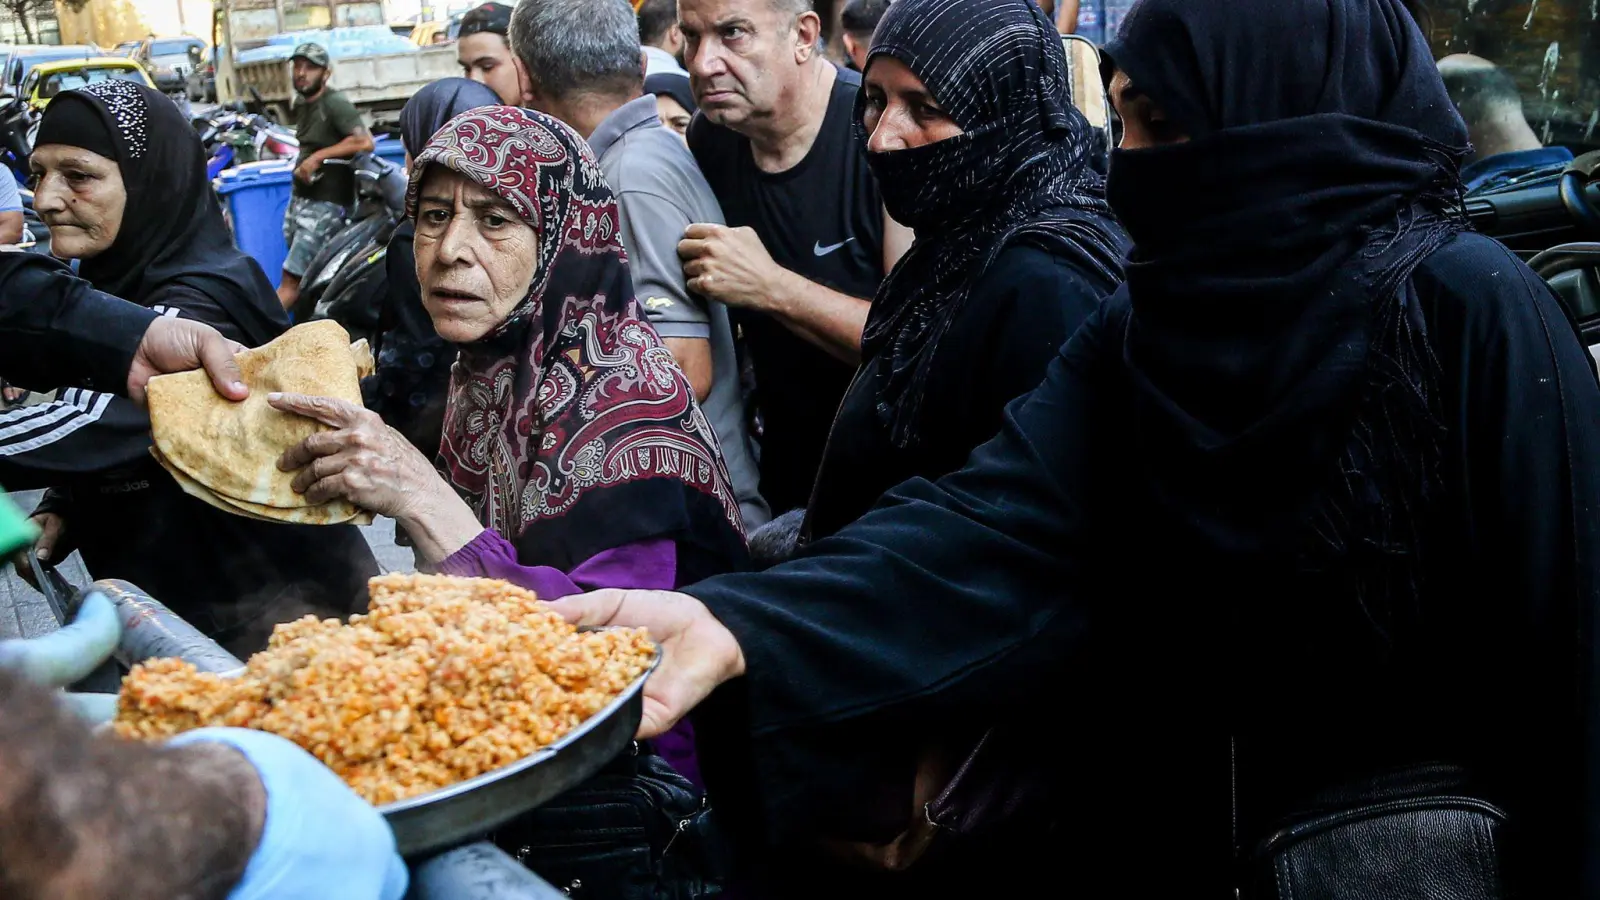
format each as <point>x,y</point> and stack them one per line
<point>1015,246</point>
<point>1301,520</point>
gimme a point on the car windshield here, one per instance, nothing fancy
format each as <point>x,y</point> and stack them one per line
<point>171,48</point>
<point>1544,54</point>
<point>77,78</point>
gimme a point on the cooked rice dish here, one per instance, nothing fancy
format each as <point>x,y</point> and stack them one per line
<point>442,680</point>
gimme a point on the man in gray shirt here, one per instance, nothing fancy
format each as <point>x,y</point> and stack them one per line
<point>584,61</point>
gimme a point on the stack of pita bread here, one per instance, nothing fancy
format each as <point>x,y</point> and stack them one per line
<point>226,453</point>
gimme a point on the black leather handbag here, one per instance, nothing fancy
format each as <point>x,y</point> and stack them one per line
<point>1421,846</point>
<point>636,831</point>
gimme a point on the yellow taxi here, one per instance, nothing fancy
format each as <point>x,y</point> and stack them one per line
<point>51,78</point>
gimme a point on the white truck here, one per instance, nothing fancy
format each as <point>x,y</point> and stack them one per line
<point>378,84</point>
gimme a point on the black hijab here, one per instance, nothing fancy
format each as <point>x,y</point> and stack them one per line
<point>1280,366</point>
<point>173,233</point>
<point>437,103</point>
<point>673,85</point>
<point>1021,171</point>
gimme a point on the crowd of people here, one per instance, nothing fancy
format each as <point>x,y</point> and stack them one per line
<point>992,513</point>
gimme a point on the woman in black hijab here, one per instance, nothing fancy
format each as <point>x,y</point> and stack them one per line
<point>1296,545</point>
<point>1015,243</point>
<point>412,375</point>
<point>120,180</point>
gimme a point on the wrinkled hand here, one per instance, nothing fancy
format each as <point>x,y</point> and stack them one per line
<point>362,460</point>
<point>179,345</point>
<point>729,265</point>
<point>52,546</point>
<point>697,652</point>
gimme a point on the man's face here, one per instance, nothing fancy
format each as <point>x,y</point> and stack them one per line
<point>308,78</point>
<point>486,58</point>
<point>741,55</point>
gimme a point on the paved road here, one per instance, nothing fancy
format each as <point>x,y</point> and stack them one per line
<point>23,612</point>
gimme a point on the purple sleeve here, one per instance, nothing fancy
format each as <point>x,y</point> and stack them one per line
<point>650,564</point>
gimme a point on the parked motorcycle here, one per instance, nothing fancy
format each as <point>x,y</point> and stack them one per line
<point>339,282</point>
<point>18,124</point>
<point>233,135</point>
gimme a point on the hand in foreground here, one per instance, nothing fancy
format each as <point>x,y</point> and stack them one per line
<point>179,345</point>
<point>319,838</point>
<point>373,466</point>
<point>52,545</point>
<point>729,265</point>
<point>697,652</point>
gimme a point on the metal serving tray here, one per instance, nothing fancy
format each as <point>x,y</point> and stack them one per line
<point>442,819</point>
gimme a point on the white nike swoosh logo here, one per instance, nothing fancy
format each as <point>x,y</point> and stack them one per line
<point>824,251</point>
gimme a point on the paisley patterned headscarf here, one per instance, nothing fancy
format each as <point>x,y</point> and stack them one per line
<point>570,428</point>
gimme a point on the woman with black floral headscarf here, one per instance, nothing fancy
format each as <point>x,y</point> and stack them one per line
<point>120,180</point>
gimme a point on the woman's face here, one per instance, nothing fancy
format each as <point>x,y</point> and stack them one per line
<point>475,256</point>
<point>1144,124</point>
<point>673,115</point>
<point>80,195</point>
<point>900,113</point>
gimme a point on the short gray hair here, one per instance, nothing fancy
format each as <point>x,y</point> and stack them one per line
<point>795,8</point>
<point>577,46</point>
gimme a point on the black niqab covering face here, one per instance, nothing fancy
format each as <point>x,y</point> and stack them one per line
<point>1280,364</point>
<point>1019,172</point>
<point>173,233</point>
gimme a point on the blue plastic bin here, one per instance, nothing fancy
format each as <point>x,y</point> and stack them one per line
<point>257,197</point>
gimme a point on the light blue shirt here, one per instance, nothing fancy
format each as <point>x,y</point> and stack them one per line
<point>10,197</point>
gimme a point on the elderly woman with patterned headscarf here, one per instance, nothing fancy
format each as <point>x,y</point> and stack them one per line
<point>120,180</point>
<point>412,375</point>
<point>573,454</point>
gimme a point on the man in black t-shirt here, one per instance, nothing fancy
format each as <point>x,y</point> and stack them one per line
<point>807,240</point>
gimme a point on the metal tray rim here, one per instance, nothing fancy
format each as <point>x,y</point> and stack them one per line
<point>450,792</point>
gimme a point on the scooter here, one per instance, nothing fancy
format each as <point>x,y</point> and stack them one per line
<point>232,135</point>
<point>333,285</point>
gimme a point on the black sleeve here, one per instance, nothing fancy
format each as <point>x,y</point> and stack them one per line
<point>84,431</point>
<point>1035,300</point>
<point>57,330</point>
<point>1521,403</point>
<point>943,597</point>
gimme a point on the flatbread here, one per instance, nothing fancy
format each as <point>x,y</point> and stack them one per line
<point>361,351</point>
<point>335,512</point>
<point>231,450</point>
